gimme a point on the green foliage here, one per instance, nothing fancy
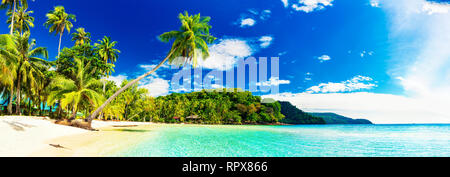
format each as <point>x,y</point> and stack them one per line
<point>332,118</point>
<point>297,116</point>
<point>78,90</point>
<point>191,40</point>
<point>58,20</point>
<point>212,107</point>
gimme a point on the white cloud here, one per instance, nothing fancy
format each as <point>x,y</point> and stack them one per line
<point>285,3</point>
<point>420,49</point>
<point>247,22</point>
<point>156,87</point>
<point>265,41</point>
<point>378,108</point>
<point>365,53</point>
<point>311,5</point>
<point>354,84</point>
<point>324,58</point>
<point>375,3</point>
<point>273,81</point>
<point>116,79</point>
<point>225,54</point>
<point>434,7</point>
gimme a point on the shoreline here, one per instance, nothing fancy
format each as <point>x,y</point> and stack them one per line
<point>23,136</point>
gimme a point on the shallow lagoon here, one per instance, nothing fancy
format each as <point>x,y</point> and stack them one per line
<point>292,141</point>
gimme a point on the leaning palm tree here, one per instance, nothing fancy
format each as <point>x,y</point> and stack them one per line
<point>23,20</point>
<point>12,4</point>
<point>26,58</point>
<point>79,88</point>
<point>188,43</point>
<point>81,37</point>
<point>58,21</point>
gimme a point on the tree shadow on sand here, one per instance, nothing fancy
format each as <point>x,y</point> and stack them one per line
<point>129,130</point>
<point>18,126</point>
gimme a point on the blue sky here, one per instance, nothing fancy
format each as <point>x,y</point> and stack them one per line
<point>330,51</point>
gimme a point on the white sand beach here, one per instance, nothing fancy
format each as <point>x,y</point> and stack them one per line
<point>31,136</point>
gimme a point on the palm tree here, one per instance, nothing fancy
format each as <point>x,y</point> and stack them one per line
<point>26,58</point>
<point>12,4</point>
<point>188,42</point>
<point>79,88</point>
<point>7,78</point>
<point>58,21</point>
<point>106,49</point>
<point>81,37</point>
<point>22,19</point>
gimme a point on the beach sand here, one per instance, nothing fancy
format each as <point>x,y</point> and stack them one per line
<point>22,136</point>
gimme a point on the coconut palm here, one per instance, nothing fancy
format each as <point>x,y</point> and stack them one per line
<point>11,5</point>
<point>26,58</point>
<point>81,37</point>
<point>79,88</point>
<point>106,50</point>
<point>7,78</point>
<point>23,20</point>
<point>58,21</point>
<point>188,43</point>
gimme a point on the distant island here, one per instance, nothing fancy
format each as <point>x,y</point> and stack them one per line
<point>293,115</point>
<point>333,118</point>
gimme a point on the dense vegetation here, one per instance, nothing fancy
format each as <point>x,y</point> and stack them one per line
<point>207,106</point>
<point>293,115</point>
<point>332,118</point>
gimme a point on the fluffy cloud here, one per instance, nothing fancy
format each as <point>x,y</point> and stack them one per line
<point>310,5</point>
<point>156,87</point>
<point>273,81</point>
<point>265,41</point>
<point>375,3</point>
<point>378,108</point>
<point>285,3</point>
<point>434,7</point>
<point>324,58</point>
<point>225,54</point>
<point>250,17</point>
<point>354,84</point>
<point>247,22</point>
<point>420,50</point>
<point>116,79</point>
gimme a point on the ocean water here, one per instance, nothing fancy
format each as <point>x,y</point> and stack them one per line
<point>294,141</point>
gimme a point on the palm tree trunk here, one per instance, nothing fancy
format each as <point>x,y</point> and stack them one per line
<point>11,95</point>
<point>98,110</point>
<point>59,46</point>
<point>18,96</point>
<point>60,37</point>
<point>74,113</point>
<point>12,19</point>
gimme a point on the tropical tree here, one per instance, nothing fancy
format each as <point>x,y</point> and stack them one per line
<point>7,78</point>
<point>106,50</point>
<point>81,37</point>
<point>189,42</point>
<point>58,21</point>
<point>12,4</point>
<point>23,20</point>
<point>26,57</point>
<point>77,89</point>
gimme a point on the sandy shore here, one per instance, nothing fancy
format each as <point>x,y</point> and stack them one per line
<point>32,136</point>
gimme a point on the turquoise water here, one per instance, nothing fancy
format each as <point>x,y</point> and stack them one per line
<point>294,141</point>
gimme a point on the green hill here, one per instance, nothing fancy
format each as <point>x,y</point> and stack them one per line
<point>293,115</point>
<point>332,118</point>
